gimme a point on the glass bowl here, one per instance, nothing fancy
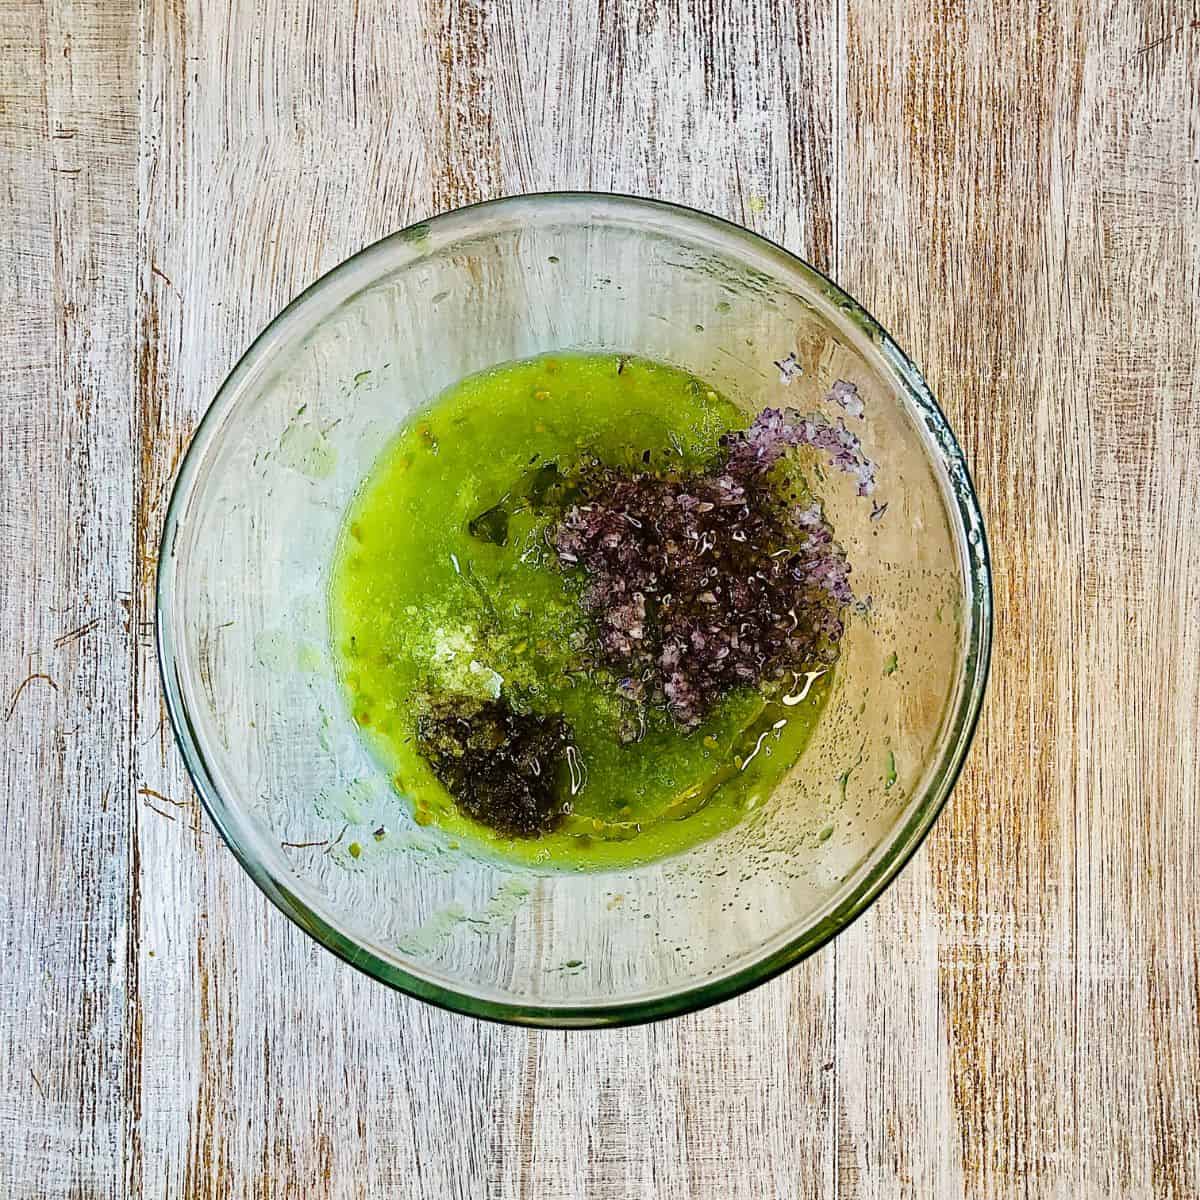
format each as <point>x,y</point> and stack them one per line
<point>257,708</point>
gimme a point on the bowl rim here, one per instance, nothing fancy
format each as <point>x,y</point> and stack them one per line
<point>967,522</point>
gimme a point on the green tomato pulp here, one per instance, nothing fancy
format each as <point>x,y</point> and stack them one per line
<point>425,601</point>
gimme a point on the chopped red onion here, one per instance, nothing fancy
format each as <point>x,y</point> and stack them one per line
<point>700,582</point>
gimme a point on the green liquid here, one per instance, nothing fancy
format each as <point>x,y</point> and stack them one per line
<point>420,606</point>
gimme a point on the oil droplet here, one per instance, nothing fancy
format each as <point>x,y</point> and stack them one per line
<point>762,737</point>
<point>578,770</point>
<point>810,677</point>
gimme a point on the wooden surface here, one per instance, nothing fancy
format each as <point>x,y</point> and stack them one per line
<point>1014,190</point>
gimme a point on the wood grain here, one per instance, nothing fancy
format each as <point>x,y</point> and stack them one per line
<point>1034,255</point>
<point>68,152</point>
<point>1015,191</point>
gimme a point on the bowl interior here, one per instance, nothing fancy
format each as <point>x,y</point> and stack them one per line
<point>243,613</point>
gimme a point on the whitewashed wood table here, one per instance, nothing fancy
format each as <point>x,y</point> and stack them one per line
<point>1014,189</point>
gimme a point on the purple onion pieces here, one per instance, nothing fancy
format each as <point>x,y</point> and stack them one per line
<point>789,368</point>
<point>845,394</point>
<point>776,430</point>
<point>702,582</point>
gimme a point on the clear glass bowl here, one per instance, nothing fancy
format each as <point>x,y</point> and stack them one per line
<point>242,613</point>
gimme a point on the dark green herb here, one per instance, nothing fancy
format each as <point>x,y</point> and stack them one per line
<point>505,769</point>
<point>491,525</point>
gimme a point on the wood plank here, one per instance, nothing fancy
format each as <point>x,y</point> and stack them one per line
<point>274,145</point>
<point>681,102</point>
<point>67,166</point>
<point>1026,184</point>
<point>260,1057</point>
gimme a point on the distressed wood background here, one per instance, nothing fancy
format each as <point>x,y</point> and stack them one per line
<point>1014,189</point>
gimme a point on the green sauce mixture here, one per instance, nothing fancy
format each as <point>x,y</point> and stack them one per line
<point>425,602</point>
